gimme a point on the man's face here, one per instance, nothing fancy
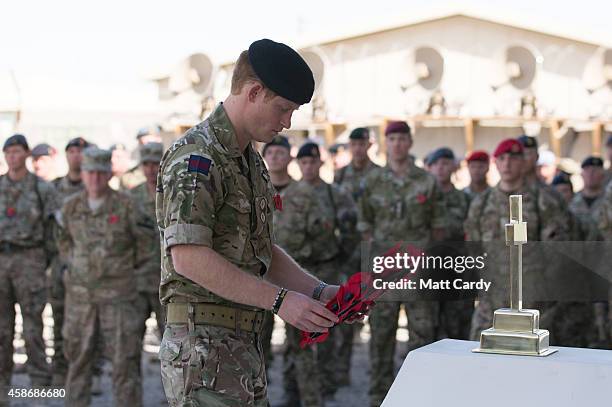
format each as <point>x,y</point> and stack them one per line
<point>277,158</point>
<point>15,157</point>
<point>531,159</point>
<point>150,170</point>
<point>593,177</point>
<point>44,166</point>
<point>565,191</point>
<point>96,182</point>
<point>359,149</point>
<point>478,171</point>
<point>266,117</point>
<point>398,146</point>
<point>442,169</point>
<point>510,166</point>
<point>74,157</point>
<point>309,166</point>
<point>120,161</point>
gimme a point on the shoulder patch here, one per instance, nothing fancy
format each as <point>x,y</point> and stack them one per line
<point>200,164</point>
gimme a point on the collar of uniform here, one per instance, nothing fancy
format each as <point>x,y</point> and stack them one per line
<point>224,130</point>
<point>106,207</point>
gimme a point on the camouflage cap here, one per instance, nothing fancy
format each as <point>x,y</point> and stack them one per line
<point>151,152</point>
<point>96,159</point>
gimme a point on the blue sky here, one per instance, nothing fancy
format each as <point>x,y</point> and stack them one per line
<point>97,55</point>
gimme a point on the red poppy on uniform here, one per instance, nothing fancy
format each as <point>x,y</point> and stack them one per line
<point>421,198</point>
<point>113,219</point>
<point>10,212</point>
<point>278,202</point>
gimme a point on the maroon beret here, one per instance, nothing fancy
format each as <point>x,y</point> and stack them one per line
<point>509,145</point>
<point>397,127</point>
<point>478,155</point>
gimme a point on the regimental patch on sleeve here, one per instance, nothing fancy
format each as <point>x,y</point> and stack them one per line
<point>200,164</point>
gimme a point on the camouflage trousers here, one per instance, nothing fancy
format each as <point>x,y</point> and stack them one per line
<point>22,281</point>
<point>86,326</point>
<point>266,339</point>
<point>212,367</point>
<point>423,329</point>
<point>301,371</point>
<point>149,302</point>
<point>56,294</point>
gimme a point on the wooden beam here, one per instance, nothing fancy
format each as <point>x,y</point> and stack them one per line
<point>555,141</point>
<point>596,136</point>
<point>469,135</point>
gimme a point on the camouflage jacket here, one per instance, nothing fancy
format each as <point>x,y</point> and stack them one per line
<point>401,209</point>
<point>457,205</point>
<point>27,209</point>
<point>584,215</point>
<point>546,220</point>
<point>472,194</point>
<point>149,252</point>
<point>66,188</point>
<point>212,194</point>
<point>353,180</point>
<point>317,223</point>
<point>100,247</point>
<point>603,214</point>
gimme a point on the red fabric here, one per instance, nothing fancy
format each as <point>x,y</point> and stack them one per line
<point>478,155</point>
<point>278,202</point>
<point>509,145</point>
<point>10,212</point>
<point>397,127</point>
<point>113,219</point>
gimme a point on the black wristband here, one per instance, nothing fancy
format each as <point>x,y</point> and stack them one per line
<point>280,296</point>
<point>316,293</point>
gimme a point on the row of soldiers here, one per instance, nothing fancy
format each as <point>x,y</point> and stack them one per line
<point>94,240</point>
<point>322,224</point>
<point>90,251</point>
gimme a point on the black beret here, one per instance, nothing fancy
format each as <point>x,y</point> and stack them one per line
<point>77,142</point>
<point>282,70</point>
<point>609,141</point>
<point>592,161</point>
<point>41,149</point>
<point>442,152</point>
<point>309,150</point>
<point>528,142</point>
<point>16,140</point>
<point>360,133</point>
<point>562,178</point>
<point>278,140</point>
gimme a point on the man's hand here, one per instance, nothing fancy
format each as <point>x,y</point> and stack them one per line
<point>329,293</point>
<point>305,313</point>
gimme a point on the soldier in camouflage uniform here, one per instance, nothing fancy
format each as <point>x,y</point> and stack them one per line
<point>98,236</point>
<point>530,151</point>
<point>563,185</point>
<point>608,173</point>
<point>65,186</point>
<point>478,167</point>
<point>454,314</point>
<point>352,179</point>
<point>400,202</point>
<point>27,205</point>
<point>603,217</point>
<point>135,175</point>
<point>318,229</point>
<point>149,255</point>
<point>277,154</point>
<point>546,220</point>
<point>586,202</point>
<point>220,265</point>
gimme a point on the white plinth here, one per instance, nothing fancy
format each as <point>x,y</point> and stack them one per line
<point>447,373</point>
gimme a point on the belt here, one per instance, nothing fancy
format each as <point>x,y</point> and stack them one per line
<point>6,247</point>
<point>218,315</point>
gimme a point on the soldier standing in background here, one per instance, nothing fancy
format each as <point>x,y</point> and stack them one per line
<point>135,176</point>
<point>585,203</point>
<point>317,227</point>
<point>530,151</point>
<point>27,206</point>
<point>478,167</point>
<point>400,202</point>
<point>65,186</point>
<point>608,174</point>
<point>148,273</point>
<point>546,220</point>
<point>98,235</point>
<point>277,154</point>
<point>455,314</point>
<point>563,185</point>
<point>352,179</point>
<point>603,217</point>
<point>43,161</point>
